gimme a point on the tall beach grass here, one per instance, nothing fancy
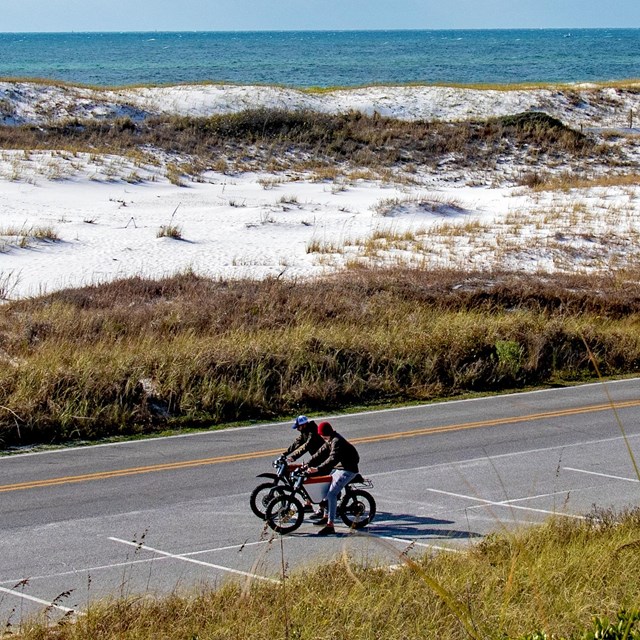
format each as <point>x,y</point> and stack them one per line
<point>137,356</point>
<point>566,579</point>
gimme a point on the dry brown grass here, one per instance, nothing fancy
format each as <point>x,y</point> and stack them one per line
<point>568,181</point>
<point>279,139</point>
<point>222,351</point>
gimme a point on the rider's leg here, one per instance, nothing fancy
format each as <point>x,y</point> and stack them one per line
<point>339,478</point>
<point>319,513</point>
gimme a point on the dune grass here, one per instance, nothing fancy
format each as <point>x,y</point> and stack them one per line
<point>567,181</point>
<point>264,136</point>
<point>24,236</point>
<point>563,579</point>
<point>137,356</point>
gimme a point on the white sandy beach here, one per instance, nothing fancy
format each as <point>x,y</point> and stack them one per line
<point>106,211</point>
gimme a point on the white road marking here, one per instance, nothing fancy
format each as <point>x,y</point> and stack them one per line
<point>192,560</point>
<point>117,565</point>
<point>39,601</point>
<point>468,461</point>
<point>504,504</point>
<point>602,475</point>
<point>540,495</point>
<point>75,572</point>
<point>232,546</point>
<point>214,434</point>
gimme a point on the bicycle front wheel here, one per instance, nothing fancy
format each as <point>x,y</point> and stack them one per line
<point>284,514</point>
<point>262,495</point>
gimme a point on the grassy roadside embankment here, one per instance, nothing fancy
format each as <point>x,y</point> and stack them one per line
<point>139,356</point>
<point>564,579</point>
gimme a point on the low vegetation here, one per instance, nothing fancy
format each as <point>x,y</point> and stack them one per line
<point>137,356</point>
<point>541,181</point>
<point>169,231</point>
<point>24,236</point>
<point>567,579</point>
<point>279,139</point>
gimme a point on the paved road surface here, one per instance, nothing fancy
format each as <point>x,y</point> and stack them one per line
<point>150,516</point>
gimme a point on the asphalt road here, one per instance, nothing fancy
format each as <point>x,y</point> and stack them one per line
<point>166,514</point>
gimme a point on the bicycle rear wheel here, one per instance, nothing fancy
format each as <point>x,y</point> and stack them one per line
<point>357,509</point>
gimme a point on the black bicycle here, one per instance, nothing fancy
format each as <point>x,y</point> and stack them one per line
<point>262,495</point>
<point>285,511</point>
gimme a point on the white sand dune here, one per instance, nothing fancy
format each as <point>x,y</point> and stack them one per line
<point>586,105</point>
<point>256,225</point>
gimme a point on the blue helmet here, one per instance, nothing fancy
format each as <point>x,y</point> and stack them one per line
<point>300,420</point>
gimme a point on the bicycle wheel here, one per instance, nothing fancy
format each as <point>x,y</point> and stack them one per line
<point>357,509</point>
<point>262,495</point>
<point>284,514</point>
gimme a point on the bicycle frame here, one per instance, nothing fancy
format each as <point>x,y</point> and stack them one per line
<point>274,485</point>
<point>315,488</point>
<point>284,512</point>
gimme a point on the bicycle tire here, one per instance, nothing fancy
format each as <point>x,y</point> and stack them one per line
<point>357,509</point>
<point>262,495</point>
<point>284,514</point>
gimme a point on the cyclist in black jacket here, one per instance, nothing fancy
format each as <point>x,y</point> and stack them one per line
<point>339,457</point>
<point>308,441</point>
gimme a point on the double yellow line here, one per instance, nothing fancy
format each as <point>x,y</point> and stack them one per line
<point>170,466</point>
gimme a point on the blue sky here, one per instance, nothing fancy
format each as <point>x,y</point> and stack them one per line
<point>224,15</point>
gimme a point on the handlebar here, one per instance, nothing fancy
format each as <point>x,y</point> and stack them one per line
<point>300,471</point>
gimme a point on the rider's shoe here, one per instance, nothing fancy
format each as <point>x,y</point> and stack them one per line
<point>317,515</point>
<point>308,509</point>
<point>321,521</point>
<point>327,530</point>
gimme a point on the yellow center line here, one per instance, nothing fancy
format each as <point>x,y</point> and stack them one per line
<point>117,473</point>
<point>499,421</point>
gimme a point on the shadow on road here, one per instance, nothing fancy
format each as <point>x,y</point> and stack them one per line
<point>404,525</point>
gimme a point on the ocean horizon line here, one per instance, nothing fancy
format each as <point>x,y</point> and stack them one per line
<point>322,31</point>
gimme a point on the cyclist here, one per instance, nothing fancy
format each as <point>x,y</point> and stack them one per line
<point>339,457</point>
<point>308,441</point>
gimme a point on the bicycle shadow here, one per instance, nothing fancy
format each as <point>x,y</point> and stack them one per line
<point>405,525</point>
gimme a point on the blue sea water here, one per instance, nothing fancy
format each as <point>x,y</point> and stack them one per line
<point>323,58</point>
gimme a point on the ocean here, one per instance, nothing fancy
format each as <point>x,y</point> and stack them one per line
<point>325,58</point>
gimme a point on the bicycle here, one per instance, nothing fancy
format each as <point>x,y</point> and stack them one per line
<point>285,511</point>
<point>265,492</point>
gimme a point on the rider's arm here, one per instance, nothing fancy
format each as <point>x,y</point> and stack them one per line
<point>296,444</point>
<point>329,461</point>
<point>303,442</point>
<point>319,455</point>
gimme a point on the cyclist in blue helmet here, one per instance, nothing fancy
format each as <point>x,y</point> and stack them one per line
<point>308,440</point>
